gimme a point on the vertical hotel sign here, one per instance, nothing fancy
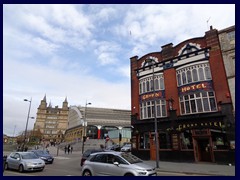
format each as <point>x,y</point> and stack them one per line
<point>195,87</point>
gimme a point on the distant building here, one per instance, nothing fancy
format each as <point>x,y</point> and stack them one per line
<point>227,42</point>
<point>98,120</point>
<point>51,121</point>
<point>190,92</point>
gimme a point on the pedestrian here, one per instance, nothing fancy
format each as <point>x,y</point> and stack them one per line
<point>102,147</point>
<point>71,149</point>
<point>65,148</point>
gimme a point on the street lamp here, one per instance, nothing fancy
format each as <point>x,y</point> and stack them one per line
<point>152,62</point>
<point>25,135</point>
<point>85,125</point>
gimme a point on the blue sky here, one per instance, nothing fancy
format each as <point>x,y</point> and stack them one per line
<point>82,51</point>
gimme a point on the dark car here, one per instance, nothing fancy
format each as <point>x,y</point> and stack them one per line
<point>87,153</point>
<point>44,155</point>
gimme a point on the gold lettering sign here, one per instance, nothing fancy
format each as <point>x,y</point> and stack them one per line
<point>193,87</point>
<point>205,124</point>
<point>150,96</point>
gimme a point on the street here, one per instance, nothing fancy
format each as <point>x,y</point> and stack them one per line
<point>69,165</point>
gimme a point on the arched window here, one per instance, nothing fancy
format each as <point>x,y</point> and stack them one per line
<point>144,87</point>
<point>179,80</point>
<point>189,76</point>
<point>148,86</point>
<point>207,73</point>
<point>201,75</point>
<point>184,80</point>
<point>195,76</point>
<point>156,83</point>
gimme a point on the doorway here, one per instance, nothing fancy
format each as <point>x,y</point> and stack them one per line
<point>203,150</point>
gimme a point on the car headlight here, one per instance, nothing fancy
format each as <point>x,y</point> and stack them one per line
<point>142,173</point>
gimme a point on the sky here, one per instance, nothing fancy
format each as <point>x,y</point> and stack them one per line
<point>82,52</point>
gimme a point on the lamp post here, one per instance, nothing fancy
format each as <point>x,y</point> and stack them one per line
<point>25,135</point>
<point>85,125</point>
<point>152,62</point>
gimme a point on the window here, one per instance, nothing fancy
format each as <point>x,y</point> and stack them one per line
<point>146,84</point>
<point>144,141</point>
<point>147,109</point>
<point>198,103</point>
<point>186,140</point>
<point>165,141</point>
<point>219,139</point>
<point>194,73</point>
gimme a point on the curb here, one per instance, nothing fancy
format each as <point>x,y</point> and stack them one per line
<point>192,173</point>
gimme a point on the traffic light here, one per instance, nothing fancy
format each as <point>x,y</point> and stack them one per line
<point>120,136</point>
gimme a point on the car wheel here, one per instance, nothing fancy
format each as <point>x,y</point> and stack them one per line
<point>86,173</point>
<point>129,174</point>
<point>21,169</point>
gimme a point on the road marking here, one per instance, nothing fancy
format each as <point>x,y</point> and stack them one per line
<point>61,157</point>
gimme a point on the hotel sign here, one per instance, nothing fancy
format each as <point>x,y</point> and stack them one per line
<point>197,125</point>
<point>195,87</point>
<point>151,96</point>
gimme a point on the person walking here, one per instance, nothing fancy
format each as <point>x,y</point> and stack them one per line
<point>69,148</point>
<point>65,148</point>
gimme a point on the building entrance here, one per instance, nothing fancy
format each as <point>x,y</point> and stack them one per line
<point>203,150</point>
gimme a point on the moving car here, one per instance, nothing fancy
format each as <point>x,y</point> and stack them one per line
<point>44,155</point>
<point>24,161</point>
<point>87,153</point>
<point>114,163</point>
<point>126,148</point>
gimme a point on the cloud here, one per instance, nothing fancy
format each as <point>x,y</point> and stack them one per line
<point>82,51</point>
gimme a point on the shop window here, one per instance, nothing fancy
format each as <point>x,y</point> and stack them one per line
<point>165,141</point>
<point>186,140</point>
<point>144,141</point>
<point>219,140</point>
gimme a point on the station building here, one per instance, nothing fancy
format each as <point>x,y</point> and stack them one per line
<point>95,123</point>
<point>185,90</point>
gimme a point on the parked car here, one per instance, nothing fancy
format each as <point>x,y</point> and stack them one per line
<point>114,163</point>
<point>24,161</point>
<point>44,155</point>
<point>114,147</point>
<point>126,148</point>
<point>87,153</point>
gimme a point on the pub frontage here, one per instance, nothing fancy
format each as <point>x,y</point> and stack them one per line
<point>185,90</point>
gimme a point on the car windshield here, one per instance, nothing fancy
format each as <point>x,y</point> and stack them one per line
<point>29,156</point>
<point>131,158</point>
<point>42,152</point>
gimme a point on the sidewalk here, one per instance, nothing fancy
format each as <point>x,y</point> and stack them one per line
<point>209,169</point>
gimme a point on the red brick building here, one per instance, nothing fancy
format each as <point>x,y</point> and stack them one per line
<point>192,102</point>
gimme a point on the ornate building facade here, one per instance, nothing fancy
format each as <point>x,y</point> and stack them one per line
<point>52,121</point>
<point>182,93</point>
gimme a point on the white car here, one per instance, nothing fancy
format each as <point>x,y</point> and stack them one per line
<point>114,163</point>
<point>126,148</point>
